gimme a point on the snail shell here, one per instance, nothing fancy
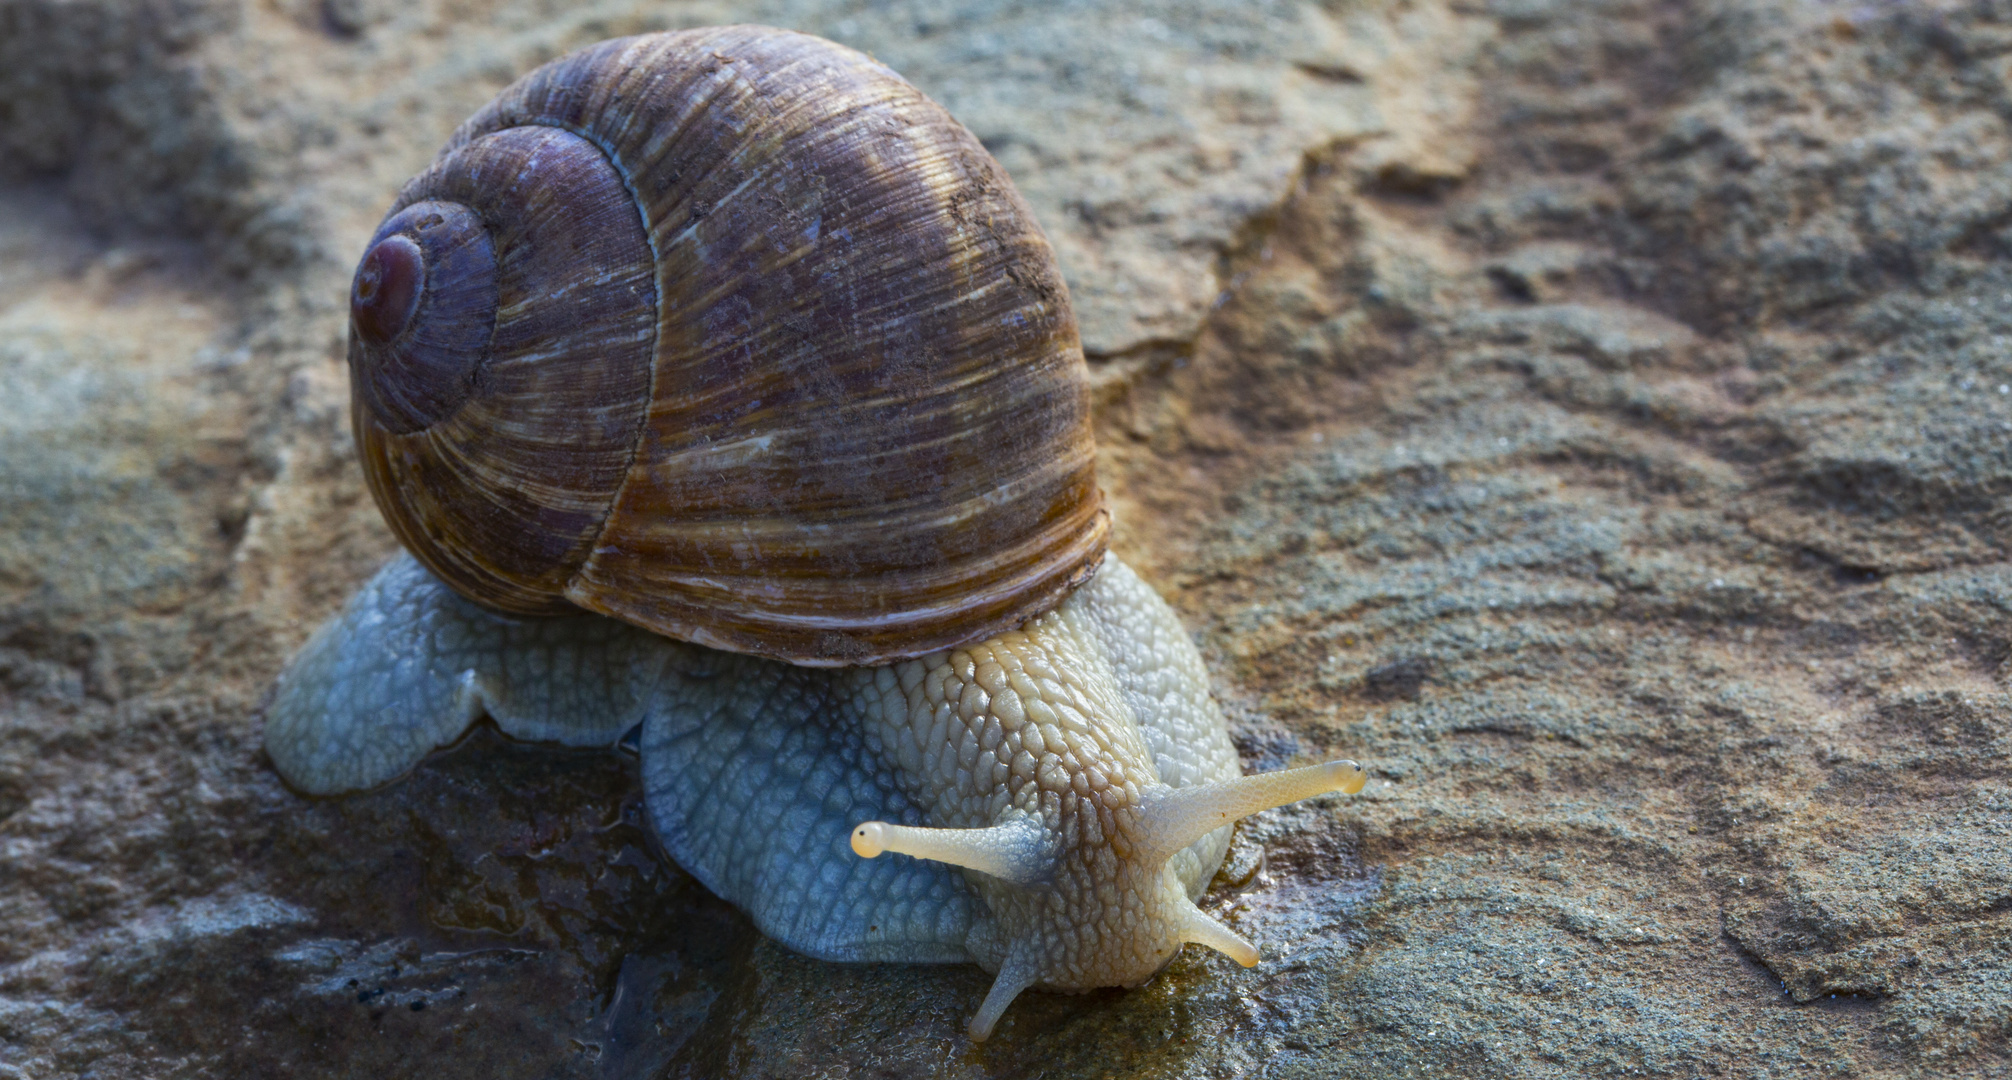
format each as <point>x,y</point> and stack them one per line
<point>734,335</point>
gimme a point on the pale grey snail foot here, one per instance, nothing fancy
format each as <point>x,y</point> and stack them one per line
<point>755,774</point>
<point>408,666</point>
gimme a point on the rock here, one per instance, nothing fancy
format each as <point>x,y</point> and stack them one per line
<point>1591,416</point>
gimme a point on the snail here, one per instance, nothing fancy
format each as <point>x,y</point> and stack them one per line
<point>720,383</point>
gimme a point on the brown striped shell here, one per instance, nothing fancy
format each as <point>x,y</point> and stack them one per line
<point>734,335</point>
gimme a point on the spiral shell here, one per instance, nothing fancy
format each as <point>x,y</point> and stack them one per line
<point>732,334</point>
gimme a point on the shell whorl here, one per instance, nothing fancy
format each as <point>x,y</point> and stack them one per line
<point>498,425</point>
<point>779,361</point>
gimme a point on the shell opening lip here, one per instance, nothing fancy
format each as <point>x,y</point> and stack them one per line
<point>386,291</point>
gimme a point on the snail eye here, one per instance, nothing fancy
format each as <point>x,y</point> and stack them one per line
<point>386,292</point>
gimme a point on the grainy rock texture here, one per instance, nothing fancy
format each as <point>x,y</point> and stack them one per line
<point>1596,416</point>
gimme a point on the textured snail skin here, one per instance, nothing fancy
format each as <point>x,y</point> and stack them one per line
<point>1068,784</point>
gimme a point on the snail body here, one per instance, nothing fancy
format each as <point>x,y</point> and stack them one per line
<point>719,382</point>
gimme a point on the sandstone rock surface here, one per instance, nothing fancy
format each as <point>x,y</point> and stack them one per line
<point>1595,416</point>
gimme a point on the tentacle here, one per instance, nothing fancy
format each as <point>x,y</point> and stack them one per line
<point>1016,974</point>
<point>1020,851</point>
<point>1177,817</point>
<point>1202,930</point>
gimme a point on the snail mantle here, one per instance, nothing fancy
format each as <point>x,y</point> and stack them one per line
<point>720,383</point>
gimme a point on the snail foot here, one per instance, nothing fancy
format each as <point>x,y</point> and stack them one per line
<point>408,666</point>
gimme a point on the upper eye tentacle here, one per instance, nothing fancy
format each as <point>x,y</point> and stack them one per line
<point>1177,817</point>
<point>1020,851</point>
